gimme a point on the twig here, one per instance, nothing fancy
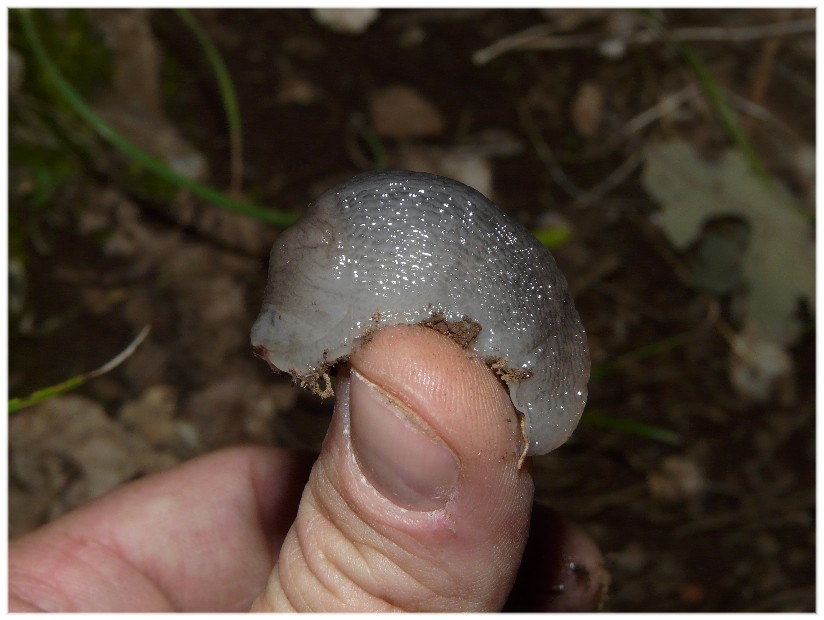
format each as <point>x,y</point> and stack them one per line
<point>536,38</point>
<point>16,404</point>
<point>612,180</point>
<point>763,74</point>
<point>759,112</point>
<point>744,33</point>
<point>123,355</point>
<point>530,39</point>
<point>791,76</point>
<point>715,94</point>
<point>581,196</point>
<point>667,105</point>
<point>546,155</point>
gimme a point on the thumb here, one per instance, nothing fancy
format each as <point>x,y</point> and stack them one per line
<point>416,501</point>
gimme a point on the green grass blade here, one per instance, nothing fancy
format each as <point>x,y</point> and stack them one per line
<point>16,404</point>
<point>280,219</point>
<point>713,91</point>
<point>227,94</point>
<point>379,159</point>
<point>640,429</point>
<point>728,118</point>
<point>643,352</point>
<point>553,236</point>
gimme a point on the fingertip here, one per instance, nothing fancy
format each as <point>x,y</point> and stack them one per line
<point>459,396</point>
<point>563,570</point>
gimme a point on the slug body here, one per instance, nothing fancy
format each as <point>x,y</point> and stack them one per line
<point>393,247</point>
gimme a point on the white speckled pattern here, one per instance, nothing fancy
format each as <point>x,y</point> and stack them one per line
<point>397,246</point>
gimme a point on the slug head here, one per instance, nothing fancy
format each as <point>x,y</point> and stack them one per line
<point>305,293</point>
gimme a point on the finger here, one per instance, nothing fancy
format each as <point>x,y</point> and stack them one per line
<point>416,502</point>
<point>199,537</point>
<point>562,569</point>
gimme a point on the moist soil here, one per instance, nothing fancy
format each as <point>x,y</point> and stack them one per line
<point>717,513</point>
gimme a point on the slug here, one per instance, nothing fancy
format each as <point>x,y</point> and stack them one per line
<point>394,247</point>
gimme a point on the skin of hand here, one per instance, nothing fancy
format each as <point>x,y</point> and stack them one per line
<point>416,503</point>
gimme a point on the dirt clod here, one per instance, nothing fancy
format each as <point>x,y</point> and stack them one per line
<point>463,332</point>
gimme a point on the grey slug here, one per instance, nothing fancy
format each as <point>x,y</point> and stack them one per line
<point>393,247</point>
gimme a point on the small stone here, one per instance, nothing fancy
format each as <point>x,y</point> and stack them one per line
<point>152,415</point>
<point>587,109</point>
<point>761,369</point>
<point>677,479</point>
<point>346,21</point>
<point>401,112</point>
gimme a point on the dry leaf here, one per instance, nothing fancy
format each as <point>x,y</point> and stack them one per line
<point>779,265</point>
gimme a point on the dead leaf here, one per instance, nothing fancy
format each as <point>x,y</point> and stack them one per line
<point>779,264</point>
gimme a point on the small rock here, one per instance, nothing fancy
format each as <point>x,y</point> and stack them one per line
<point>152,415</point>
<point>761,369</point>
<point>467,161</point>
<point>691,593</point>
<point>149,365</point>
<point>587,109</point>
<point>677,479</point>
<point>633,558</point>
<point>401,112</point>
<point>298,90</point>
<point>473,170</point>
<point>346,21</point>
<point>236,409</point>
<point>69,450</point>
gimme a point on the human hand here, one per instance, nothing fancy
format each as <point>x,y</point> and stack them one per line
<point>415,503</point>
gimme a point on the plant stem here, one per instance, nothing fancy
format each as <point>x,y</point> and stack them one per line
<point>227,93</point>
<point>632,427</point>
<point>725,113</point>
<point>16,404</point>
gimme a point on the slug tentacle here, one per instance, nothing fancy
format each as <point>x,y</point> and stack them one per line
<point>394,247</point>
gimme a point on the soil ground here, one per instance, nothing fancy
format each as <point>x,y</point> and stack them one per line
<point>723,519</point>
